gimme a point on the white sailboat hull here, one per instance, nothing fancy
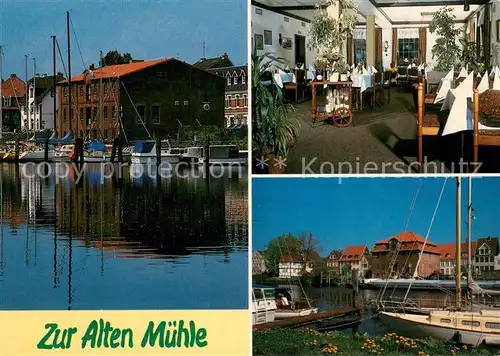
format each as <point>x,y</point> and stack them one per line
<point>419,326</point>
<point>35,156</point>
<point>287,314</point>
<point>148,158</point>
<point>239,161</point>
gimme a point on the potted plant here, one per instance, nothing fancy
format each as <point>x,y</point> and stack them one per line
<point>445,50</point>
<point>274,125</point>
<point>469,58</point>
<point>320,64</point>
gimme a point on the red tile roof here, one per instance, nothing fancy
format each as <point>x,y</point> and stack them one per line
<point>14,87</point>
<point>448,250</point>
<point>118,70</point>
<point>409,241</point>
<point>354,253</point>
<point>293,257</point>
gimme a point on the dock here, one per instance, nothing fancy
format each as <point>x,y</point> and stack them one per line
<point>322,320</point>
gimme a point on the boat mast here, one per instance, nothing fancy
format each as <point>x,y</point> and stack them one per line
<point>27,95</point>
<point>69,77</point>
<point>54,91</point>
<point>101,124</point>
<point>1,97</point>
<point>34,96</point>
<point>458,272</point>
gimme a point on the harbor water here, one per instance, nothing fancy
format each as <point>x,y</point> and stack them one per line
<point>91,240</point>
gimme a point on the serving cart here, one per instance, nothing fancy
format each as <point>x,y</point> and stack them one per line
<point>339,103</point>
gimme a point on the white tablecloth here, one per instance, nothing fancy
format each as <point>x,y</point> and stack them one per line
<point>361,81</point>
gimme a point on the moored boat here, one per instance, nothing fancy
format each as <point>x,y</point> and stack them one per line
<point>263,305</point>
<point>144,152</point>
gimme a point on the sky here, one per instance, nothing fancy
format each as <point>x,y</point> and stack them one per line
<point>145,28</point>
<point>357,211</point>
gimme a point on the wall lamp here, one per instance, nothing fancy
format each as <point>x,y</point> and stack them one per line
<point>386,46</point>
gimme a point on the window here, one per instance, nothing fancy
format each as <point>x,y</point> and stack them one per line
<point>471,323</point>
<point>258,294</point>
<point>243,79</point>
<point>88,93</point>
<point>140,114</point>
<point>235,80</point>
<point>65,113</point>
<point>492,325</point>
<point>65,91</point>
<point>245,101</point>
<point>155,114</point>
<point>228,80</point>
<point>237,100</point>
<point>408,49</point>
<point>105,133</point>
<point>186,103</point>
<point>7,101</point>
<point>477,259</point>
<point>105,112</point>
<point>113,112</point>
<point>31,92</point>
<point>95,91</point>
<point>447,321</point>
<point>228,101</point>
<point>81,90</point>
<point>81,114</point>
<point>269,294</point>
<point>359,50</point>
<point>176,103</point>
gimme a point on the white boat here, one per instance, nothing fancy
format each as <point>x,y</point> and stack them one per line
<point>475,326</point>
<point>145,153</point>
<point>263,305</point>
<point>290,313</point>
<point>471,328</point>
<point>423,284</point>
<point>101,156</point>
<point>219,155</point>
<point>36,155</point>
<point>63,153</point>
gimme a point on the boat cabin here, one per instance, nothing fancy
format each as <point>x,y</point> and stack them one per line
<point>263,304</point>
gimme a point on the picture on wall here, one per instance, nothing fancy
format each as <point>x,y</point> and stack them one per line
<point>498,30</point>
<point>259,42</point>
<point>268,37</point>
<point>287,43</point>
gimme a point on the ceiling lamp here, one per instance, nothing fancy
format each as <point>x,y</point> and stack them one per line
<point>466,5</point>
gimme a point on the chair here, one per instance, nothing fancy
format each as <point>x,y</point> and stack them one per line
<point>386,85</point>
<point>427,123</point>
<point>486,112</point>
<point>402,75</point>
<point>375,89</point>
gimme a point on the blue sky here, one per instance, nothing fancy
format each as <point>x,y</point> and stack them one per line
<point>364,210</point>
<point>145,28</point>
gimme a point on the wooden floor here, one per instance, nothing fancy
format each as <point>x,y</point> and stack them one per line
<point>380,140</point>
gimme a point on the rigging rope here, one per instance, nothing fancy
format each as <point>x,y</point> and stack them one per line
<point>426,238</point>
<point>77,43</point>
<point>405,228</point>
<point>139,116</point>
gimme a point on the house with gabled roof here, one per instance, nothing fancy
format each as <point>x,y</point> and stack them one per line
<point>484,258</point>
<point>401,252</point>
<point>333,260</point>
<point>236,93</point>
<point>355,258</point>
<point>448,256</point>
<point>12,101</point>
<point>293,266</point>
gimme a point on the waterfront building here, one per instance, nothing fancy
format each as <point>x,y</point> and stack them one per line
<point>13,97</point>
<point>355,259</point>
<point>402,251</point>
<point>293,265</point>
<point>333,260</point>
<point>448,259</point>
<point>258,263</point>
<point>143,98</point>
<point>236,94</point>
<point>41,92</point>
<point>484,259</point>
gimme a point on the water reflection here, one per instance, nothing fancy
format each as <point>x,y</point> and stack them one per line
<point>128,243</point>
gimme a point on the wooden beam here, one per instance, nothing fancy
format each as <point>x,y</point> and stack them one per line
<point>427,3</point>
<point>279,11</point>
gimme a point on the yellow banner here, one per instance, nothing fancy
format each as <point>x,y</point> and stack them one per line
<point>203,332</point>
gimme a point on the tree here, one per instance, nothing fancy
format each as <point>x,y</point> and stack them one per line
<point>309,247</point>
<point>115,57</point>
<point>277,248</point>
<point>446,48</point>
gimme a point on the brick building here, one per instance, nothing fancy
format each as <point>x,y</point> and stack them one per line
<point>448,257</point>
<point>236,77</point>
<point>356,258</point>
<point>160,95</point>
<point>13,98</point>
<point>405,248</point>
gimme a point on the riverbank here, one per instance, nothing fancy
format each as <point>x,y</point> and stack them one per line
<point>310,342</point>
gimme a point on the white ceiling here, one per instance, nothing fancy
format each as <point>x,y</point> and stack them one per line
<point>414,13</point>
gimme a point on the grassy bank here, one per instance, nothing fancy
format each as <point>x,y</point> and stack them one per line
<point>309,342</point>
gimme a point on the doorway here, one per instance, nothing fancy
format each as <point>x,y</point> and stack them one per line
<point>300,51</point>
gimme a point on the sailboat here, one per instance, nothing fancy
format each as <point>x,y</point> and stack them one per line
<point>474,327</point>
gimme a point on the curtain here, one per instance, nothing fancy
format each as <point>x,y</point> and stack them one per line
<point>408,32</point>
<point>378,48</point>
<point>350,50</point>
<point>395,46</point>
<point>422,44</point>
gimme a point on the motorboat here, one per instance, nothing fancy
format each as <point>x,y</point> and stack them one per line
<point>145,152</point>
<point>263,305</point>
